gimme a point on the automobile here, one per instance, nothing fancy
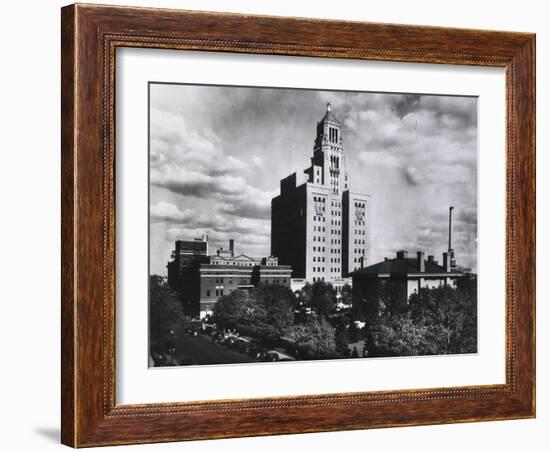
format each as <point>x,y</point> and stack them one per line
<point>242,344</point>
<point>270,356</point>
<point>275,355</point>
<point>255,350</point>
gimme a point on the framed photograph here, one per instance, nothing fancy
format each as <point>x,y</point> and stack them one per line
<point>280,225</point>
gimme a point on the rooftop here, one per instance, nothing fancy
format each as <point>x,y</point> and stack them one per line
<point>404,266</point>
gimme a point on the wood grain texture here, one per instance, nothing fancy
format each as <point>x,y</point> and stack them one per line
<point>90,36</point>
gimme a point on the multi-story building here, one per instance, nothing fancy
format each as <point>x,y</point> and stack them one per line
<point>321,228</point>
<point>185,252</point>
<point>207,278</point>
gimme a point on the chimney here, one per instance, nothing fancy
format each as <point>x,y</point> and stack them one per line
<point>431,258</point>
<point>420,264</point>
<point>450,227</point>
<point>232,247</point>
<point>402,254</point>
<point>447,262</point>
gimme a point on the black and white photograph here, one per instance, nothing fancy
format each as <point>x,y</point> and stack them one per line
<point>297,224</point>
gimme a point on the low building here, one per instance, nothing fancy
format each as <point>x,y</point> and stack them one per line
<point>204,280</point>
<point>399,278</point>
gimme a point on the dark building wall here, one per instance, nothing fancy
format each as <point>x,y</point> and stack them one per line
<point>190,290</point>
<point>288,226</point>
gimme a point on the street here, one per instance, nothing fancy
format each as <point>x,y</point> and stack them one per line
<point>202,350</point>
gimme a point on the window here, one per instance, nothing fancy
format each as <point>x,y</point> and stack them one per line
<point>217,293</point>
<point>221,292</point>
<point>207,292</point>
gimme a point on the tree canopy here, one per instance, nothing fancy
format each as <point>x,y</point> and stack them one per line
<point>165,310</point>
<point>441,320</point>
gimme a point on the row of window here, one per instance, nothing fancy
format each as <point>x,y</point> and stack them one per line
<point>240,264</point>
<point>335,241</point>
<point>318,239</point>
<point>319,269</point>
<point>360,205</point>
<point>219,292</point>
<point>318,259</point>
<point>230,281</point>
<point>335,269</point>
<point>319,218</point>
<point>335,231</point>
<point>336,222</point>
<point>319,248</point>
<point>359,232</point>
<point>359,223</point>
<point>359,241</point>
<point>319,228</point>
<point>357,251</point>
<point>319,199</point>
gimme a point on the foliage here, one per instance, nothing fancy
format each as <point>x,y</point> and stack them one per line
<point>320,297</point>
<point>346,294</point>
<point>165,310</point>
<point>341,339</point>
<point>230,309</point>
<point>271,310</point>
<point>441,320</point>
<point>315,339</point>
<point>268,311</point>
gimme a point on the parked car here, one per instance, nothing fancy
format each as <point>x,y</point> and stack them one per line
<point>276,355</point>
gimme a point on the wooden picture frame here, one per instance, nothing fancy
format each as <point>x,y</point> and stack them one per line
<point>90,35</point>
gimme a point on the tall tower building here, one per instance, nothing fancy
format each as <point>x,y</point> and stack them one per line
<point>321,227</point>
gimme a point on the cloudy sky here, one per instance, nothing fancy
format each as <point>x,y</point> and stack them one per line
<point>217,155</point>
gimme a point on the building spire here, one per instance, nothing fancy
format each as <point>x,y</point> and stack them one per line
<point>328,106</point>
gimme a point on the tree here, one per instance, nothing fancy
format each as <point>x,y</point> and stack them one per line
<point>439,320</point>
<point>346,294</point>
<point>272,309</point>
<point>315,339</point>
<point>323,298</point>
<point>165,310</point>
<point>341,339</point>
<point>231,309</point>
<point>267,312</point>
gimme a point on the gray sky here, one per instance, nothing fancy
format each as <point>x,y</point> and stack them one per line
<point>218,153</point>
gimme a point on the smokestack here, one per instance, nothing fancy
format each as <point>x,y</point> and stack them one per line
<point>420,264</point>
<point>450,227</point>
<point>232,247</point>
<point>447,262</point>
